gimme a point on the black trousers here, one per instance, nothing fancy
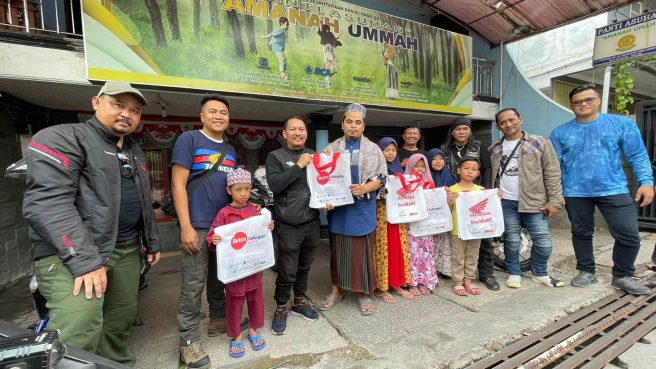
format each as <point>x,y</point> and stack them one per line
<point>486,260</point>
<point>619,211</point>
<point>216,297</point>
<point>296,247</point>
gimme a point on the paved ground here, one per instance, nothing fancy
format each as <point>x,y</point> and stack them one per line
<point>436,331</point>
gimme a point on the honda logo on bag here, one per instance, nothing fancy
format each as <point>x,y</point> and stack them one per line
<point>239,240</point>
<point>477,210</point>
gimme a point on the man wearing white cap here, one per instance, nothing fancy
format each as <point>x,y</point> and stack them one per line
<point>352,227</point>
<point>89,209</point>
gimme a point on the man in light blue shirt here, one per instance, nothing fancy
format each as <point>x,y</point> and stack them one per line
<point>589,149</point>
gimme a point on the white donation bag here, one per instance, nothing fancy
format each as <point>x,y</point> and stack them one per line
<point>329,178</point>
<point>479,214</point>
<point>246,248</point>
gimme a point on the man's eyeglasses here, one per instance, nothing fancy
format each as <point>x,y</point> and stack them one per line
<point>587,101</point>
<point>126,169</point>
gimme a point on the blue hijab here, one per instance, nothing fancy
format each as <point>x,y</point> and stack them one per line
<point>443,177</point>
<point>395,166</point>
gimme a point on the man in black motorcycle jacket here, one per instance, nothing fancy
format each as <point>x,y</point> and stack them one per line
<point>297,225</point>
<point>89,209</point>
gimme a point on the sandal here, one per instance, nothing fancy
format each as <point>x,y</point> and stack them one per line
<point>472,289</point>
<point>440,283</point>
<point>404,293</point>
<point>459,290</point>
<point>254,342</point>
<point>366,305</point>
<point>423,290</point>
<point>385,297</point>
<point>414,291</point>
<point>330,301</point>
<point>240,349</point>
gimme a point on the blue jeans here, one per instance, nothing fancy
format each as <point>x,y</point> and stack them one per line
<point>537,227</point>
<point>619,211</point>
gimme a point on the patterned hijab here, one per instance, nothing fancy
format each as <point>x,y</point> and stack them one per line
<point>413,160</point>
<point>395,166</point>
<point>442,177</point>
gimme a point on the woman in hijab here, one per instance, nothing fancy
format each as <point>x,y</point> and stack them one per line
<point>391,243</point>
<point>442,178</point>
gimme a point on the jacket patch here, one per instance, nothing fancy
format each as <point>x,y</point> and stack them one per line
<point>69,244</point>
<point>52,154</point>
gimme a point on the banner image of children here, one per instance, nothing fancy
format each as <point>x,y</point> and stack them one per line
<point>278,40</point>
<point>329,41</point>
<point>392,73</point>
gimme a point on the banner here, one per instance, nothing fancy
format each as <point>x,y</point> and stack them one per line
<point>629,39</point>
<point>325,50</point>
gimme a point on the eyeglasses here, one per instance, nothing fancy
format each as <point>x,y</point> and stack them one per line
<point>126,169</point>
<point>587,101</point>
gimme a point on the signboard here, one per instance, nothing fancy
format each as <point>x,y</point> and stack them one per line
<point>325,50</point>
<point>629,39</point>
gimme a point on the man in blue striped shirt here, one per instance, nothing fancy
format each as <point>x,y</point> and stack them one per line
<point>589,149</point>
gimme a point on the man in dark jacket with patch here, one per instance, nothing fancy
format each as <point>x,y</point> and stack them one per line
<point>297,225</point>
<point>89,209</point>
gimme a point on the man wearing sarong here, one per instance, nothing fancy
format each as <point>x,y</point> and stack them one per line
<point>352,226</point>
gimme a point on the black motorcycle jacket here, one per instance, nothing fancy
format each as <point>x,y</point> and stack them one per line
<point>288,182</point>
<point>73,195</point>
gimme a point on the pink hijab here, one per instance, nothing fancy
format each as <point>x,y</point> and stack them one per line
<point>412,161</point>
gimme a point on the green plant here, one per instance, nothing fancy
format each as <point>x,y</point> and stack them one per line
<point>624,75</point>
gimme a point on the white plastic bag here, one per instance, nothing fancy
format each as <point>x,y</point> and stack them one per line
<point>405,198</point>
<point>479,215</point>
<point>329,178</point>
<point>439,219</point>
<point>246,248</point>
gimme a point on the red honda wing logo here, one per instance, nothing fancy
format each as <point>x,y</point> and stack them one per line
<point>478,208</point>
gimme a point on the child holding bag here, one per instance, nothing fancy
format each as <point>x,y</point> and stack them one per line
<point>442,178</point>
<point>464,253</point>
<point>248,288</point>
<point>423,273</point>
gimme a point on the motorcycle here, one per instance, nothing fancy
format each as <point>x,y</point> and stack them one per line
<point>525,246</point>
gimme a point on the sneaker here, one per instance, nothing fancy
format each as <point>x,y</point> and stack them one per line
<point>194,356</point>
<point>630,285</point>
<point>279,323</point>
<point>514,281</point>
<point>218,326</point>
<point>303,307</point>
<point>584,279</point>
<point>548,281</point>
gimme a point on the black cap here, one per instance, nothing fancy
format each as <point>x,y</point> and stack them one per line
<point>460,121</point>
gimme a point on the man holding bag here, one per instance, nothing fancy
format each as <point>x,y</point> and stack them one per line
<point>297,224</point>
<point>528,173</point>
<point>352,226</point>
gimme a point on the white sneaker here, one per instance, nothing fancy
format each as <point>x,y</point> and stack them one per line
<point>548,281</point>
<point>514,281</point>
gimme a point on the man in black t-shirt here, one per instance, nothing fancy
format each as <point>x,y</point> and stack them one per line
<point>411,137</point>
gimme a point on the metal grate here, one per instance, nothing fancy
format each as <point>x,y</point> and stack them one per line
<point>589,338</point>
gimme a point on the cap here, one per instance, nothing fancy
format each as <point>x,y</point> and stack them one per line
<point>460,121</point>
<point>113,88</point>
<point>356,108</point>
<point>238,176</point>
